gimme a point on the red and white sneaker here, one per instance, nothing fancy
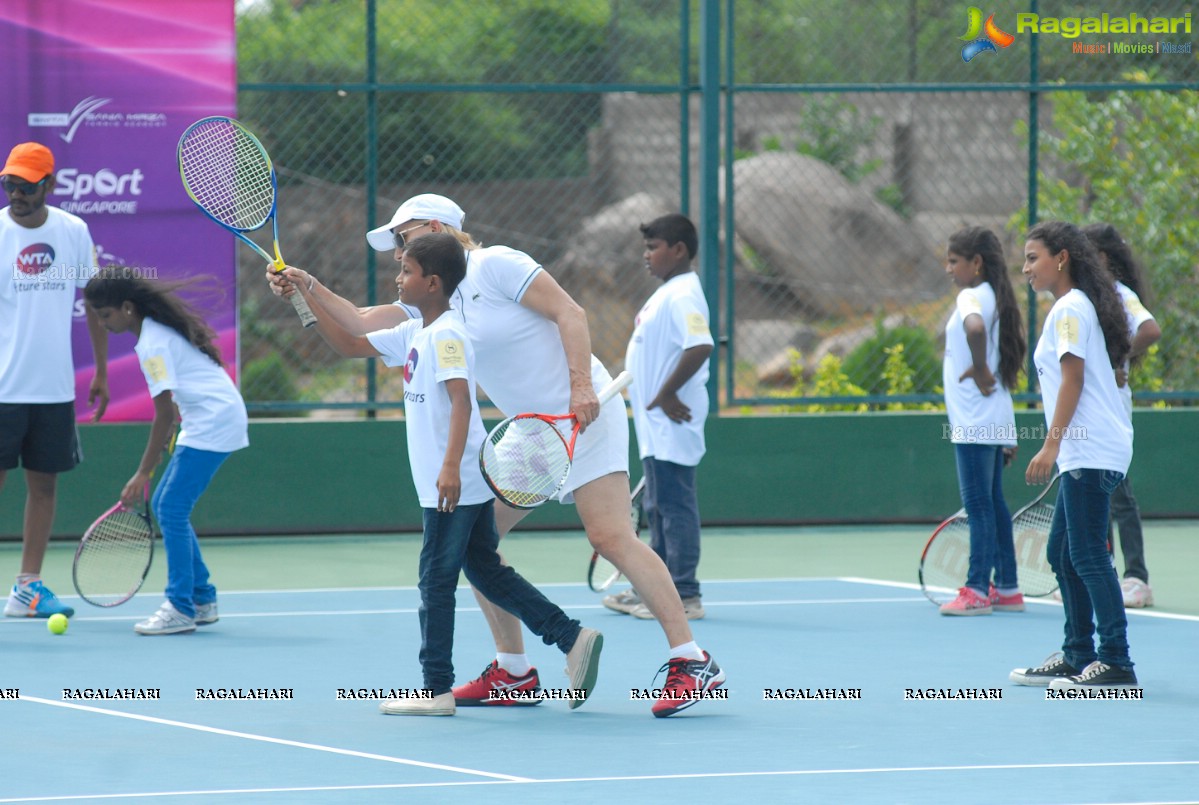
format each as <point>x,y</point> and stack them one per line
<point>968,602</point>
<point>477,692</point>
<point>1006,603</point>
<point>687,682</point>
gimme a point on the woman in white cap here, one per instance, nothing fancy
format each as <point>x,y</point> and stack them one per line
<point>521,322</point>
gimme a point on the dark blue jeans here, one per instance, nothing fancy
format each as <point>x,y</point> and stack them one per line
<point>980,481</point>
<point>187,475</point>
<point>1078,555</point>
<point>466,540</point>
<point>672,511</point>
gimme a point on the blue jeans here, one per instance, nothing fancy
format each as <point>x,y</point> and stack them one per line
<point>186,477</point>
<point>980,481</point>
<point>1127,517</point>
<point>672,510</point>
<point>466,540</point>
<point>1078,555</point>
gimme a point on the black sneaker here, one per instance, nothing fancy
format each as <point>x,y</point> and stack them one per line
<point>1054,667</point>
<point>1098,675</point>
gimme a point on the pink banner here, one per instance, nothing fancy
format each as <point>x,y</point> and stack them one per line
<point>108,86</point>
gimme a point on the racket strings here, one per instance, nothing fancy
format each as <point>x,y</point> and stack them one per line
<point>228,174</point>
<point>526,461</point>
<point>114,557</point>
<point>1030,532</point>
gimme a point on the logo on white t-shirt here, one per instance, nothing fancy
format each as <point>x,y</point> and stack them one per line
<point>35,259</point>
<point>410,366</point>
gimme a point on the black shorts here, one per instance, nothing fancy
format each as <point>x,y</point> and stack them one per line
<point>41,436</point>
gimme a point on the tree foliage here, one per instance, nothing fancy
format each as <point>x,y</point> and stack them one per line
<point>1129,159</point>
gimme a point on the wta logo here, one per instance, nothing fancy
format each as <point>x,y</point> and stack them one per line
<point>410,366</point>
<point>35,259</point>
<point>992,38</point>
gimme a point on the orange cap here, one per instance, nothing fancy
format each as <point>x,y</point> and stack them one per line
<point>29,161</point>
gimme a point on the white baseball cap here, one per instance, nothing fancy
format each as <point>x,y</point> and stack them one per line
<point>425,207</point>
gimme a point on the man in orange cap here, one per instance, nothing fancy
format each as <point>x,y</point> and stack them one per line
<point>45,254</point>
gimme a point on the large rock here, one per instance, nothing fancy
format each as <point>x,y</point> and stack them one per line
<point>831,243</point>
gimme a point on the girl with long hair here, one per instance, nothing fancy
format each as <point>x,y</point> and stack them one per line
<point>1089,438</point>
<point>984,349</point>
<point>1134,293</point>
<point>182,366</point>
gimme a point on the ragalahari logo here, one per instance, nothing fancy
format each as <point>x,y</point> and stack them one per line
<point>992,37</point>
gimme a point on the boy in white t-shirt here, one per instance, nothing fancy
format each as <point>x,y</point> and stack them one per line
<point>445,432</point>
<point>668,358</point>
<point>46,255</point>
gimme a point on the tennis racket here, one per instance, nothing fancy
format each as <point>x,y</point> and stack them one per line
<point>230,177</point>
<point>114,556</point>
<point>946,558</point>
<point>526,458</point>
<point>1030,531</point>
<point>602,574</point>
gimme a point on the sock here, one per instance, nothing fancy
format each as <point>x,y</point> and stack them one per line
<point>24,579</point>
<point>689,651</point>
<point>515,664</point>
<point>1006,591</point>
<point>979,593</point>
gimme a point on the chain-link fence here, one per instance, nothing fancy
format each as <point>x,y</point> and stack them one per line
<point>853,141</point>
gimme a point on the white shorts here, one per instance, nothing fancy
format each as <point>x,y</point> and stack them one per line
<point>603,448</point>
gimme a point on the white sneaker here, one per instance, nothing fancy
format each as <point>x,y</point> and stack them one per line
<point>206,614</point>
<point>624,602</point>
<point>582,663</point>
<point>693,608</point>
<point>167,620</point>
<point>440,705</point>
<point>1137,593</point>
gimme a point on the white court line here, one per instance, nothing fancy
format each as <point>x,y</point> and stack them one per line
<point>333,613</point>
<point>1043,600</point>
<point>266,739</point>
<point>647,778</point>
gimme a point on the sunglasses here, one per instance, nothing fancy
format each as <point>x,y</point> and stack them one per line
<point>24,188</point>
<point>399,236</point>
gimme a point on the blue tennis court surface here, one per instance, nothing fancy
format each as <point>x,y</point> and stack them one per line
<point>866,641</point>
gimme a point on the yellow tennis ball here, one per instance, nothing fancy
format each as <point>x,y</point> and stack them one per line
<point>57,623</point>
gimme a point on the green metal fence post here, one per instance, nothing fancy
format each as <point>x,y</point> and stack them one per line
<point>709,171</point>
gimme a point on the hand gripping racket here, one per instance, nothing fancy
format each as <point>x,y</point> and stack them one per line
<point>602,574</point>
<point>114,555</point>
<point>230,177</point>
<point>946,557</point>
<point>526,458</point>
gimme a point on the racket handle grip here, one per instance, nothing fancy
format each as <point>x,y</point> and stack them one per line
<point>307,317</point>
<point>619,383</point>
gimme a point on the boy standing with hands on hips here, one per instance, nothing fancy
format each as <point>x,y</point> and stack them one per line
<point>668,358</point>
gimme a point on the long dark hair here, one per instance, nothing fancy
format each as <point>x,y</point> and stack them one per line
<point>975,240</point>
<point>1106,240</point>
<point>1091,278</point>
<point>113,287</point>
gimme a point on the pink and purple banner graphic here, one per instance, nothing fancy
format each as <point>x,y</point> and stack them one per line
<point>109,86</point>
